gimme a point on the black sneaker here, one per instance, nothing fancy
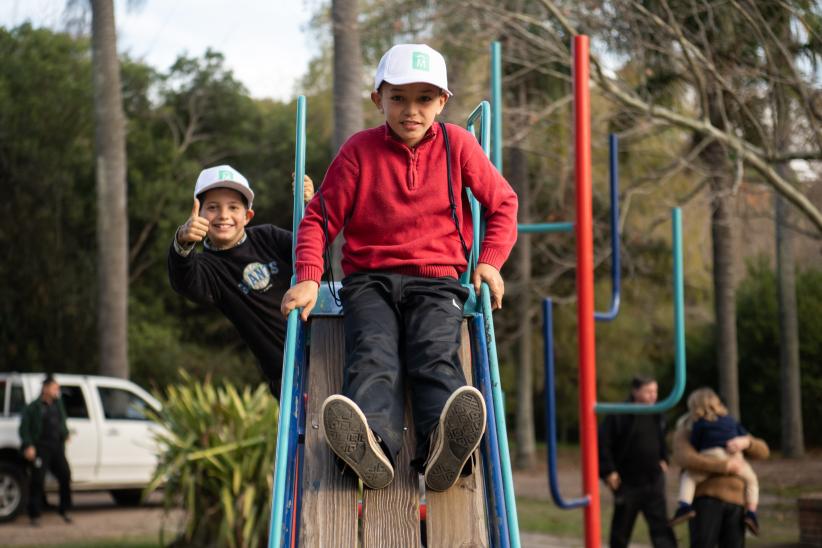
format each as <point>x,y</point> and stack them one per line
<point>682,514</point>
<point>455,438</point>
<point>66,517</point>
<point>751,522</point>
<point>35,522</point>
<point>348,435</point>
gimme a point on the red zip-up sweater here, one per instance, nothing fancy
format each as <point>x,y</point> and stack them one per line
<point>393,202</point>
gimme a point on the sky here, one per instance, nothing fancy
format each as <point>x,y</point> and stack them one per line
<point>264,42</point>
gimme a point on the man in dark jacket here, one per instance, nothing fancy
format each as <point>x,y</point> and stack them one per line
<point>633,459</point>
<point>43,433</point>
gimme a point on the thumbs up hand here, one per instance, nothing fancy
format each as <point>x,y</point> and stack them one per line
<point>195,228</point>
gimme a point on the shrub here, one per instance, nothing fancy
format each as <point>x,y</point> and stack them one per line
<point>218,447</point>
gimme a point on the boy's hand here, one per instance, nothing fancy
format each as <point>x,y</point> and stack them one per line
<point>195,228</point>
<point>303,294</point>
<point>308,187</point>
<point>490,275</point>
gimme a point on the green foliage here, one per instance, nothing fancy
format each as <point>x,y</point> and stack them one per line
<point>218,445</point>
<point>47,214</point>
<point>758,333</point>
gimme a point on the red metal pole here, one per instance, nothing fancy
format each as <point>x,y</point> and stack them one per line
<point>585,293</point>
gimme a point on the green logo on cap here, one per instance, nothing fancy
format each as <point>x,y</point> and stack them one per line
<point>419,61</point>
<point>225,175</point>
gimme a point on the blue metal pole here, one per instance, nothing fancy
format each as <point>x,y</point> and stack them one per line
<point>533,228</point>
<point>287,414</point>
<point>493,470</point>
<point>299,173</point>
<point>616,264</point>
<point>679,336</point>
<point>483,113</point>
<point>496,105</point>
<point>499,409</point>
<point>551,411</point>
<point>288,403</point>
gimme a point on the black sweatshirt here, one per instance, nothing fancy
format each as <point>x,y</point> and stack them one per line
<point>247,283</point>
<point>632,445</point>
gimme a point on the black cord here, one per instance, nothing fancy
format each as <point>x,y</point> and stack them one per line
<point>327,266</point>
<point>451,199</point>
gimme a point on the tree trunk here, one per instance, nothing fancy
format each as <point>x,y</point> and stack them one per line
<point>112,220</point>
<point>348,79</point>
<point>526,441</point>
<point>722,234</point>
<point>793,443</point>
<point>348,82</point>
<point>724,248</point>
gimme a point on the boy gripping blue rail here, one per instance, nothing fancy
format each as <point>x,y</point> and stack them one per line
<point>396,190</point>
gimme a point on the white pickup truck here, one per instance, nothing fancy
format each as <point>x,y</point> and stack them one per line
<point>111,443</point>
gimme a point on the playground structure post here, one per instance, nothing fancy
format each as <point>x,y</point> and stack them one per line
<point>585,291</point>
<point>496,105</point>
<point>288,402</point>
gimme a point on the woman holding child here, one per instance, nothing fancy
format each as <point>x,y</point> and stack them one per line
<point>721,503</point>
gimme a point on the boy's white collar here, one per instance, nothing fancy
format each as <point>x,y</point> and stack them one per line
<point>208,245</point>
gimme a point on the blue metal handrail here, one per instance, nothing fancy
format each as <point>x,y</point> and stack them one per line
<point>679,336</point>
<point>490,447</point>
<point>496,105</point>
<point>551,412</point>
<point>542,228</point>
<point>499,409</point>
<point>616,267</point>
<point>483,113</point>
<point>286,427</point>
<point>616,270</point>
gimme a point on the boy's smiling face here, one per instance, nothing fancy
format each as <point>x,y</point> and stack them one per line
<point>410,109</point>
<point>227,216</point>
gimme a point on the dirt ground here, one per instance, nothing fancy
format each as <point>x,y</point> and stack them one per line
<point>97,518</point>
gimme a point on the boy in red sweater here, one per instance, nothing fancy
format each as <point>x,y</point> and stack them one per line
<point>406,243</point>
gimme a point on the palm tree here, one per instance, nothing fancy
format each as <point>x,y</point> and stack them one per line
<point>348,82</point>
<point>112,218</point>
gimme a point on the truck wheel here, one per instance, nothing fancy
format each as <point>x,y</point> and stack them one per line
<point>127,497</point>
<point>12,491</point>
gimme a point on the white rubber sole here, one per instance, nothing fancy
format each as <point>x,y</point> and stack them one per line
<point>350,438</point>
<point>457,435</point>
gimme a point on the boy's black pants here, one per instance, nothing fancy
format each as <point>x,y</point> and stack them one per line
<point>51,459</point>
<point>401,329</point>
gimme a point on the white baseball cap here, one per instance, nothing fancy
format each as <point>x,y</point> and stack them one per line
<point>411,63</point>
<point>223,176</point>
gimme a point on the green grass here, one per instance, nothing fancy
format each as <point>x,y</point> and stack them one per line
<point>778,523</point>
<point>136,542</point>
<point>540,516</point>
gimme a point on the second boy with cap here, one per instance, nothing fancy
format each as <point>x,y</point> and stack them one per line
<point>242,271</point>
<point>397,190</point>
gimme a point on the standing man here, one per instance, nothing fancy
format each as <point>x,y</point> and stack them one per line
<point>633,460</point>
<point>43,433</point>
